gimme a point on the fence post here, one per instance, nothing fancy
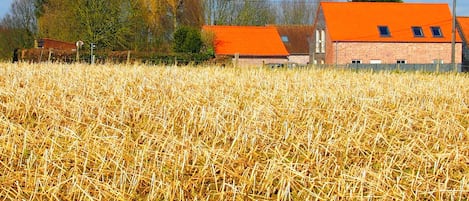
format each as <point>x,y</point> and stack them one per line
<point>128,57</point>
<point>236,60</point>
<point>50,55</point>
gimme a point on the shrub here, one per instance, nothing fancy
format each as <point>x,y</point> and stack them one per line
<point>187,40</point>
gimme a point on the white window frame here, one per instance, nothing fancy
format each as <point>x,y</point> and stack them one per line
<point>320,41</point>
<point>375,61</point>
<point>323,40</point>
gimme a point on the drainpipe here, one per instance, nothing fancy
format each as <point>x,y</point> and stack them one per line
<point>336,54</point>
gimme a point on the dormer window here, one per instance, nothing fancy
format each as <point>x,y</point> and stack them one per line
<point>418,32</point>
<point>384,31</point>
<point>436,31</point>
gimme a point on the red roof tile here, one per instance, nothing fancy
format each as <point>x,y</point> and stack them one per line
<point>359,21</point>
<point>247,41</point>
<point>464,26</point>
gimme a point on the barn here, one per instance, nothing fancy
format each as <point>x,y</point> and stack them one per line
<point>248,45</point>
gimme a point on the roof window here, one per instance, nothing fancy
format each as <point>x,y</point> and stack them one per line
<point>285,39</point>
<point>436,31</point>
<point>384,31</point>
<point>418,32</point>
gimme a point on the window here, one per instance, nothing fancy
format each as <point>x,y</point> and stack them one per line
<point>384,31</point>
<point>418,32</point>
<point>401,61</point>
<point>285,39</point>
<point>320,41</point>
<point>437,61</point>
<point>436,31</point>
<point>323,39</point>
<point>375,61</point>
<point>356,61</point>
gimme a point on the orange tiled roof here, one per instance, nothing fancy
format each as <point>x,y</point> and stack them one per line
<point>464,26</point>
<point>247,41</point>
<point>359,21</point>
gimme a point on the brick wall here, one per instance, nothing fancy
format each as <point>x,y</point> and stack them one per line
<point>389,53</point>
<point>260,61</point>
<point>300,59</point>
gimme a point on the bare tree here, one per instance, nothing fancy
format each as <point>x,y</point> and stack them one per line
<point>221,12</point>
<point>239,12</point>
<point>18,28</point>
<point>22,19</point>
<point>297,11</point>
<point>256,13</point>
<point>192,13</point>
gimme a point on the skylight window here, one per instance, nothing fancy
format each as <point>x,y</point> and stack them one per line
<point>418,32</point>
<point>436,31</point>
<point>384,31</point>
<point>285,39</point>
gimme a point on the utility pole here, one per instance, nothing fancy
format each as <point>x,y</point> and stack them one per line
<point>453,39</point>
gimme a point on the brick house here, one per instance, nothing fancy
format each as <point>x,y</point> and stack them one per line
<point>388,33</point>
<point>297,39</point>
<point>463,28</point>
<point>248,45</point>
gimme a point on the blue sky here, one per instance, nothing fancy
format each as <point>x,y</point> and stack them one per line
<point>462,5</point>
<point>4,7</point>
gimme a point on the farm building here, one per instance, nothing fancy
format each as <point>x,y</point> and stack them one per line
<point>371,32</point>
<point>48,43</point>
<point>297,39</point>
<point>248,45</point>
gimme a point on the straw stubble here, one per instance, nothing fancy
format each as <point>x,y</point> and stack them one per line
<point>79,132</point>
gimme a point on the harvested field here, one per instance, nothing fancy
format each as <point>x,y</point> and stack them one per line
<point>80,132</point>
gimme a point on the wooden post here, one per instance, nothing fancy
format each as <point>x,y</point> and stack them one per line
<point>128,57</point>
<point>40,57</point>
<point>23,52</point>
<point>50,55</point>
<point>78,55</point>
<point>236,60</point>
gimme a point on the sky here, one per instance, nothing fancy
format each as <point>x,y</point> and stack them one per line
<point>461,10</point>
<point>4,7</point>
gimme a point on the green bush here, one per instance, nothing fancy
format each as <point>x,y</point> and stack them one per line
<point>187,40</point>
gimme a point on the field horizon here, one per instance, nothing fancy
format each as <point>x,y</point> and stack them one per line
<point>136,132</point>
